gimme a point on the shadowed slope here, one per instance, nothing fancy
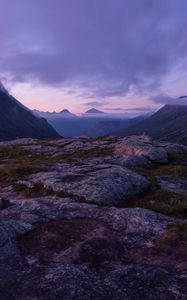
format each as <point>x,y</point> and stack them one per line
<point>17,121</point>
<point>169,124</point>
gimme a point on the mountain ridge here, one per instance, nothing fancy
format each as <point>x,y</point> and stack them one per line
<point>168,123</point>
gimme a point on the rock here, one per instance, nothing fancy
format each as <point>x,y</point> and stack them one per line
<point>175,149</point>
<point>104,185</point>
<point>142,146</point>
<point>133,161</point>
<point>171,184</point>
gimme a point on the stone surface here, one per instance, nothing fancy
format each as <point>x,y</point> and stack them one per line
<point>133,161</point>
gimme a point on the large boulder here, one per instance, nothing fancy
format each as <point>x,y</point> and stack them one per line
<point>108,185</point>
<point>142,146</point>
<point>175,149</point>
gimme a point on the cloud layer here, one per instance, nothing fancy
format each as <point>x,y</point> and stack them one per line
<point>101,48</point>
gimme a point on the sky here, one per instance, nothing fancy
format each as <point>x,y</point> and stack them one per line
<point>114,55</point>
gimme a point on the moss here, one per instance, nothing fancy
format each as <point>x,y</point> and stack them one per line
<point>155,199</point>
<point>12,152</point>
<point>174,170</point>
<point>16,171</point>
<point>31,192</point>
<point>98,152</point>
<point>172,235</point>
<point>161,201</point>
<point>106,138</point>
<point>64,194</point>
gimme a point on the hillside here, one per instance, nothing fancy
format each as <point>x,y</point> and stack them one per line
<point>169,124</point>
<point>17,121</point>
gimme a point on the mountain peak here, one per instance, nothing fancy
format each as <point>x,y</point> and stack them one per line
<point>65,111</point>
<point>94,111</point>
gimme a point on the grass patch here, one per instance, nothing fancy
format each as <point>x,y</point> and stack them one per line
<point>97,152</point>
<point>155,199</point>
<point>177,171</point>
<point>106,138</point>
<point>64,194</point>
<point>172,235</point>
<point>161,201</point>
<point>11,152</point>
<point>32,192</point>
<point>14,172</point>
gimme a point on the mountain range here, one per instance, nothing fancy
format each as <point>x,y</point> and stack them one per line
<point>17,121</point>
<point>67,113</point>
<point>46,114</point>
<point>169,124</point>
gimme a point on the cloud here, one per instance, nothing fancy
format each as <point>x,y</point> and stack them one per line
<point>134,110</point>
<point>94,104</point>
<point>139,109</point>
<point>165,99</point>
<point>103,48</point>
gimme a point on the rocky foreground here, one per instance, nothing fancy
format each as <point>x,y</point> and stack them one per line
<point>93,219</point>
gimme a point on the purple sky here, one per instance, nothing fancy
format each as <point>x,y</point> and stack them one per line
<point>110,54</point>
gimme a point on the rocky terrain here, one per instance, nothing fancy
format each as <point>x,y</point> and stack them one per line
<point>90,219</point>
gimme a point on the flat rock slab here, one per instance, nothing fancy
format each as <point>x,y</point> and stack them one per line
<point>108,185</point>
<point>171,184</point>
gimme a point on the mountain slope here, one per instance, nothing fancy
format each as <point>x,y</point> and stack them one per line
<point>17,121</point>
<point>169,124</point>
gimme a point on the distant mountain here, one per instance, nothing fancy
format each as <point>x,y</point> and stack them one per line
<point>48,115</point>
<point>65,112</point>
<point>17,121</point>
<point>169,124</point>
<point>94,111</point>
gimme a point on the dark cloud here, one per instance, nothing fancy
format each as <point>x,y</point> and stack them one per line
<point>139,109</point>
<point>104,48</point>
<point>165,99</point>
<point>134,110</point>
